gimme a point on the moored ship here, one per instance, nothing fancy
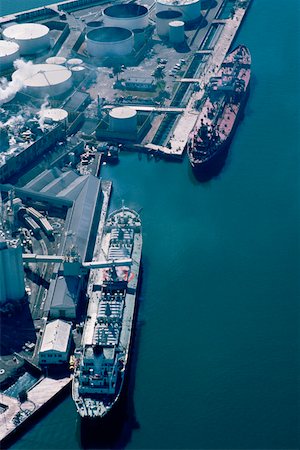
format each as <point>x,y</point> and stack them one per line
<point>223,104</point>
<point>101,361</point>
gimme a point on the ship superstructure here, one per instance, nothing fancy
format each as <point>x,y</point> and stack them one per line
<point>224,100</point>
<point>100,363</point>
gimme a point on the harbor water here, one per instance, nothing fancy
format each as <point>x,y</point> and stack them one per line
<point>216,357</point>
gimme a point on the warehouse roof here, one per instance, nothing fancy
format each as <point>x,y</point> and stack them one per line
<point>56,336</point>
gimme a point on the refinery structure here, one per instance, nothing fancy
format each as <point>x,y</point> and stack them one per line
<point>81,82</point>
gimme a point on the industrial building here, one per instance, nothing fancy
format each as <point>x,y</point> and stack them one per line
<point>32,38</point>
<point>85,196</point>
<point>56,343</point>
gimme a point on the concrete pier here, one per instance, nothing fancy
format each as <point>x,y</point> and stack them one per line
<point>188,119</point>
<point>17,415</point>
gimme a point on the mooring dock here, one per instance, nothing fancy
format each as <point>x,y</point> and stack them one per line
<point>188,119</point>
<point>16,414</point>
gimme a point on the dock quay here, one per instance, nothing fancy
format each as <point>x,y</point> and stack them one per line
<point>16,416</point>
<point>188,119</point>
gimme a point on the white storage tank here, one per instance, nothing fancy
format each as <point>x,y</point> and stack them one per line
<point>60,60</point>
<point>163,18</point>
<point>14,272</point>
<point>129,15</point>
<point>123,119</point>
<point>109,41</point>
<point>54,115</point>
<point>9,52</point>
<point>78,73</point>
<point>190,9</point>
<point>176,32</point>
<point>45,79</point>
<point>31,37</point>
<point>74,62</point>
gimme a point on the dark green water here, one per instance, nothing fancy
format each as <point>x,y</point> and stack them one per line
<point>217,360</point>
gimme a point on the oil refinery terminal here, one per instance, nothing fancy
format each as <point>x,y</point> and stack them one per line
<point>82,82</point>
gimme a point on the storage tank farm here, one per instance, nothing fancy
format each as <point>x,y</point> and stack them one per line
<point>9,52</point>
<point>163,18</point>
<point>32,38</point>
<point>12,283</point>
<point>190,9</point>
<point>46,79</point>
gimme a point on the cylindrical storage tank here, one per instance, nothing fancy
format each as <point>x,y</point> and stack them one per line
<point>123,119</point>
<point>14,272</point>
<point>176,32</point>
<point>4,138</point>
<point>54,115</point>
<point>74,62</point>
<point>9,52</point>
<point>31,37</point>
<point>2,274</point>
<point>93,24</point>
<point>78,73</point>
<point>190,9</point>
<point>163,18</point>
<point>139,38</point>
<point>129,15</point>
<point>109,41</point>
<point>45,79</point>
<point>60,60</point>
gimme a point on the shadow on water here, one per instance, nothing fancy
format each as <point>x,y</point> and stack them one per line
<point>114,431</point>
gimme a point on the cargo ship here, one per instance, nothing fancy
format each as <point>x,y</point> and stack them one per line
<point>101,361</point>
<point>224,100</point>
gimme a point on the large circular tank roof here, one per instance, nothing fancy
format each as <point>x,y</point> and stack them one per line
<point>74,62</point>
<point>56,60</point>
<point>43,75</point>
<point>109,34</point>
<point>25,31</point>
<point>54,114</point>
<point>8,48</point>
<point>122,112</point>
<point>168,14</point>
<point>125,11</point>
<point>176,23</point>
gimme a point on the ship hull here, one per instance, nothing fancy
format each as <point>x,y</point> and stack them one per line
<point>105,353</point>
<point>211,165</point>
